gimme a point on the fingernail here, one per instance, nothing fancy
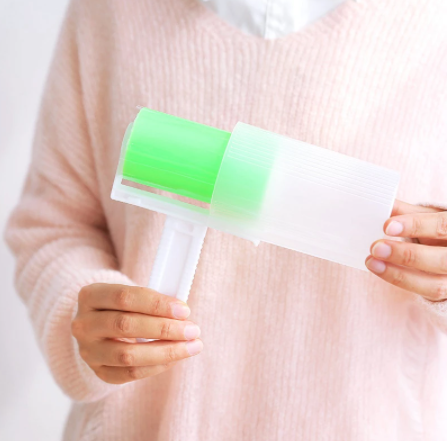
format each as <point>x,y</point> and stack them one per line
<point>180,310</point>
<point>194,347</point>
<point>192,332</point>
<point>381,250</point>
<point>376,266</point>
<point>394,228</point>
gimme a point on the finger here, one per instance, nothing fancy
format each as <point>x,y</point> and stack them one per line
<point>121,375</point>
<point>118,353</point>
<point>132,299</point>
<point>430,286</point>
<point>401,207</point>
<point>422,257</point>
<point>425,225</point>
<point>118,324</point>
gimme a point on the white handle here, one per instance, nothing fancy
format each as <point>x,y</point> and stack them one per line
<point>177,258</point>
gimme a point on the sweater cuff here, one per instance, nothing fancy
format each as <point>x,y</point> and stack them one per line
<point>437,310</point>
<point>436,205</point>
<point>70,371</point>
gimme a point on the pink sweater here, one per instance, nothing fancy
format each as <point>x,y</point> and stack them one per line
<point>295,347</point>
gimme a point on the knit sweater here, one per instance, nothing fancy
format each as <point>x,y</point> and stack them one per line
<point>295,347</point>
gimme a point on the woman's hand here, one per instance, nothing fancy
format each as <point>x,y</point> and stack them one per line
<point>417,267</point>
<point>110,317</point>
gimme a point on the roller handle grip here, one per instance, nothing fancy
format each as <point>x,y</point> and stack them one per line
<point>177,258</point>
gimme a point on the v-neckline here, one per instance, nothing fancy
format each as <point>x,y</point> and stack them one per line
<point>327,24</point>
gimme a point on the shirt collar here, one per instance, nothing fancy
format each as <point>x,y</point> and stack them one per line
<point>271,19</point>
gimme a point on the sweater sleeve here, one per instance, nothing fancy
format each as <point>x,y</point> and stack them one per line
<point>58,231</point>
<point>437,310</point>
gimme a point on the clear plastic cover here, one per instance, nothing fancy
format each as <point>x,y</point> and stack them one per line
<point>288,193</point>
<point>302,197</point>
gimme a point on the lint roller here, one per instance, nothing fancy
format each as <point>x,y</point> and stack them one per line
<point>252,183</point>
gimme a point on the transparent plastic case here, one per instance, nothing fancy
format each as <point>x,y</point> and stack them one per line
<point>302,197</point>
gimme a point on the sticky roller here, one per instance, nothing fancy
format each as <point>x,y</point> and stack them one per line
<point>251,183</point>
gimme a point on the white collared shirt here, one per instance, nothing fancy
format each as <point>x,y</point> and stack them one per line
<point>271,19</point>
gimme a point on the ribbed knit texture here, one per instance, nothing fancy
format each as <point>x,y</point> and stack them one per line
<point>296,348</point>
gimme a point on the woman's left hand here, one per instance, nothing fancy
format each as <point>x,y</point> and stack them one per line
<point>417,267</point>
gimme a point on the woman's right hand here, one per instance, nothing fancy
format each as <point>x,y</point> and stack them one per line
<point>111,317</point>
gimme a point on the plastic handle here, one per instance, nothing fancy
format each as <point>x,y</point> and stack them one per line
<point>177,257</point>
